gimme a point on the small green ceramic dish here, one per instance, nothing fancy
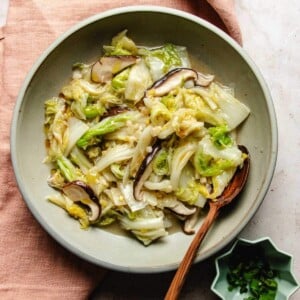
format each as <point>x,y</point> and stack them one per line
<point>279,261</point>
<point>148,26</point>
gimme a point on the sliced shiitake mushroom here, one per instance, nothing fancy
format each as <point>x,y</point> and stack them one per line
<point>190,222</point>
<point>79,191</point>
<point>182,211</point>
<point>104,69</point>
<point>115,110</point>
<point>145,170</point>
<point>172,80</point>
<point>204,79</point>
<point>175,78</point>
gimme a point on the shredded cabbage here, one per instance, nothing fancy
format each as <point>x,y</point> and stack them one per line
<point>147,225</point>
<point>107,125</point>
<point>161,163</point>
<point>163,59</point>
<point>139,79</point>
<point>121,45</point>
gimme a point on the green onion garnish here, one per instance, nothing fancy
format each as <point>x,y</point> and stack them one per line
<point>249,271</point>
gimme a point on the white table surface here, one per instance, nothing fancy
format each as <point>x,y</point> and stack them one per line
<point>271,34</point>
<point>271,31</point>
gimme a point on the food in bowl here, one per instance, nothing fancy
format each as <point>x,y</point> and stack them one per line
<point>141,138</point>
<point>254,269</point>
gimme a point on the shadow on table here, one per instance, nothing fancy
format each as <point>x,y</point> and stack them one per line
<point>121,286</point>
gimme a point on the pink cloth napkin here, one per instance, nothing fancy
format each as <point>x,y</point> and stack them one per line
<point>32,264</point>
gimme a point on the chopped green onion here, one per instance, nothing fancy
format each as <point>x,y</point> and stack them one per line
<point>250,272</point>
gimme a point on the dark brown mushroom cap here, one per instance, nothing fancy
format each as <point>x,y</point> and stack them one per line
<point>171,80</point>
<point>115,110</point>
<point>79,191</point>
<point>177,77</point>
<point>104,69</point>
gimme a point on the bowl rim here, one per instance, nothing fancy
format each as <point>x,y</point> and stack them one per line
<point>254,243</point>
<point>129,10</point>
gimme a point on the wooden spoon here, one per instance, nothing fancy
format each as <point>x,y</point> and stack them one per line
<point>231,191</point>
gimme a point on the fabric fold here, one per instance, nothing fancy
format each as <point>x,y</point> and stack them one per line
<point>226,11</point>
<point>32,264</point>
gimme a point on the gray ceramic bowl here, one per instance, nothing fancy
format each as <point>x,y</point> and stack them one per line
<point>279,261</point>
<point>151,26</point>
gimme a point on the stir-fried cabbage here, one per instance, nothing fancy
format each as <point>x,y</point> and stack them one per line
<point>144,141</point>
<point>163,59</point>
<point>121,45</point>
<point>107,125</point>
<point>139,79</point>
<point>73,209</point>
<point>146,224</point>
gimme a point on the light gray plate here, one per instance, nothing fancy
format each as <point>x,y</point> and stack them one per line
<point>151,26</point>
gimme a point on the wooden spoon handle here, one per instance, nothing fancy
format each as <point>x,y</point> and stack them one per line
<point>185,265</point>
